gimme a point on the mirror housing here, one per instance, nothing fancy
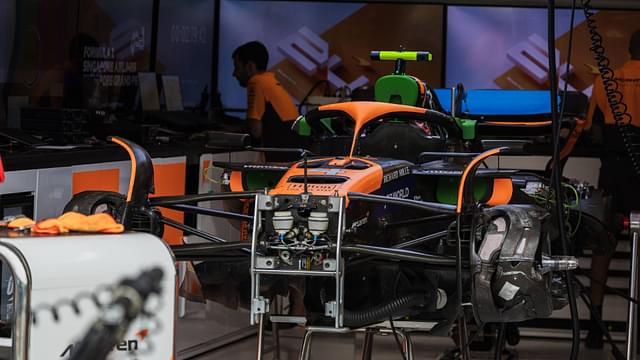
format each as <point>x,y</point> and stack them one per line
<point>301,127</point>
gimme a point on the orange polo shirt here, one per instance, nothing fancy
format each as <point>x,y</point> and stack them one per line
<point>628,77</point>
<point>264,90</point>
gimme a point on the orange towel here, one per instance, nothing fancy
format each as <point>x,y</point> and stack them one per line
<point>73,221</point>
<point>20,223</point>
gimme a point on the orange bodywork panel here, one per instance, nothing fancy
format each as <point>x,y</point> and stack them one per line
<point>466,172</point>
<point>169,180</point>
<point>363,180</point>
<point>502,192</point>
<point>95,180</point>
<point>133,165</point>
<point>235,182</point>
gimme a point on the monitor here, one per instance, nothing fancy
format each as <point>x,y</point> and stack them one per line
<point>327,41</point>
<point>172,92</point>
<point>148,87</point>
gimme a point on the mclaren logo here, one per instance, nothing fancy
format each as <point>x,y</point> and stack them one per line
<point>125,345</point>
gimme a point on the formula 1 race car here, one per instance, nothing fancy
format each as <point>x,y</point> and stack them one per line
<point>394,218</point>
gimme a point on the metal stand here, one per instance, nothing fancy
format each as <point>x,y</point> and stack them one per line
<point>634,230</point>
<point>260,336</point>
<point>369,332</point>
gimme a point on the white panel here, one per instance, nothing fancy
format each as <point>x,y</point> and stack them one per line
<point>87,263</point>
<point>53,192</point>
<point>19,181</point>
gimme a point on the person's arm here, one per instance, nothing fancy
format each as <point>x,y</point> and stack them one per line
<point>255,128</point>
<point>255,109</point>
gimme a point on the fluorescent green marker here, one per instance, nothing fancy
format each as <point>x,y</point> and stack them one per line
<point>401,55</point>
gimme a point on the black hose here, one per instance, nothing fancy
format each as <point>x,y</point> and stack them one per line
<point>555,174</point>
<point>500,343</point>
<point>382,312</point>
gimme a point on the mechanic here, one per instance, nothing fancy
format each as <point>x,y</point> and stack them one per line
<point>617,175</point>
<point>270,109</point>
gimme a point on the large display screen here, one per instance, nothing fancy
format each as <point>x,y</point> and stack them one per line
<point>114,40</point>
<point>309,42</point>
<point>80,53</point>
<point>7,26</point>
<point>185,32</point>
<point>506,48</point>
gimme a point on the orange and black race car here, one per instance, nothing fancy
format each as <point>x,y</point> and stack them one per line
<point>391,214</point>
<point>400,225</point>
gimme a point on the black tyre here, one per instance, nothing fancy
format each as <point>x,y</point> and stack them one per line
<point>95,202</point>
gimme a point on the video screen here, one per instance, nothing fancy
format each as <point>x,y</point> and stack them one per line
<point>506,48</point>
<point>309,42</point>
<point>112,45</point>
<point>79,53</point>
<point>7,26</point>
<point>185,32</point>
<point>40,41</point>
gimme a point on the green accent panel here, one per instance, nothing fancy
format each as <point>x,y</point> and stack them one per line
<point>258,180</point>
<point>403,55</point>
<point>397,89</point>
<point>447,189</point>
<point>327,123</point>
<point>468,128</point>
<point>303,127</point>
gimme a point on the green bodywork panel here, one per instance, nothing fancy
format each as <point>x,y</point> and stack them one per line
<point>258,180</point>
<point>468,128</point>
<point>447,189</point>
<point>303,128</point>
<point>397,89</point>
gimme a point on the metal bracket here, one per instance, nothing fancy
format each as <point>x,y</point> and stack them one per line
<point>266,262</point>
<point>329,265</point>
<point>330,309</point>
<point>333,204</point>
<point>260,305</point>
<point>265,202</point>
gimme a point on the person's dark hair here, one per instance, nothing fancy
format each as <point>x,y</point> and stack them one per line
<point>634,45</point>
<point>255,52</point>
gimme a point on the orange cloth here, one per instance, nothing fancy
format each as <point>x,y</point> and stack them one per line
<point>73,221</point>
<point>628,77</point>
<point>21,222</point>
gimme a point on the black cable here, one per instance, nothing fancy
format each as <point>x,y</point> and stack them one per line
<point>395,335</point>
<point>615,291</point>
<point>611,86</point>
<point>555,178</point>
<point>569,53</point>
<point>500,343</point>
<point>465,348</point>
<point>598,318</point>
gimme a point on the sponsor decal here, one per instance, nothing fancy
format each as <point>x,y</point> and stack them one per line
<point>313,187</point>
<point>358,223</point>
<point>396,174</point>
<point>130,345</point>
<point>402,193</point>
